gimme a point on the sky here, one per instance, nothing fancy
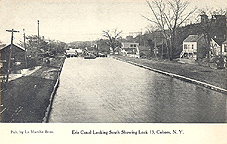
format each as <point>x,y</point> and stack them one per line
<point>78,20</point>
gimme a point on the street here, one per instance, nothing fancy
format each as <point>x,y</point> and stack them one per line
<point>104,90</point>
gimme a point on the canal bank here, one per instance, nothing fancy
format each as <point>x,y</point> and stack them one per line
<point>28,98</point>
<point>214,79</point>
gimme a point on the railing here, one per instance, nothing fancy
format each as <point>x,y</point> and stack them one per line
<point>181,54</point>
<point>187,51</point>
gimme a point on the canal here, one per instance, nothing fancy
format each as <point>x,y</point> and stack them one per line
<point>105,90</point>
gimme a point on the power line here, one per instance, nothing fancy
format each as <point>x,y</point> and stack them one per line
<point>76,34</point>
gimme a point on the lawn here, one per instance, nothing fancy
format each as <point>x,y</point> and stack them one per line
<point>26,99</point>
<point>216,77</point>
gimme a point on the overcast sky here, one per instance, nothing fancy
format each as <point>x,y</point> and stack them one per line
<point>76,20</point>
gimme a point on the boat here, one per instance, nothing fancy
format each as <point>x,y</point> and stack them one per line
<point>90,56</point>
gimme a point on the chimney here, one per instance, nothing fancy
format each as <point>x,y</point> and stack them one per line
<point>204,18</point>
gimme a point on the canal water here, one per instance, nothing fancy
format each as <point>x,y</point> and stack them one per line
<point>105,90</point>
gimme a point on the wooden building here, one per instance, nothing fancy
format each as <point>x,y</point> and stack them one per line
<point>18,54</point>
<point>194,47</point>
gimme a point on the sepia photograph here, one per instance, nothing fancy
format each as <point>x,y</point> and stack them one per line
<point>113,62</point>
<point>113,71</point>
<point>157,61</point>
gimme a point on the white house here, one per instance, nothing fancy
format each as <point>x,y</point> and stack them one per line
<point>130,49</point>
<point>193,47</point>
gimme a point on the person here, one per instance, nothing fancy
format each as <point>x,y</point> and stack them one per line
<point>47,61</point>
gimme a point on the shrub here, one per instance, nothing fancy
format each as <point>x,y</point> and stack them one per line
<point>32,62</point>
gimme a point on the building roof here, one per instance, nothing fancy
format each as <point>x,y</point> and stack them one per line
<point>192,38</point>
<point>13,45</point>
<point>225,42</point>
<point>143,48</point>
<point>219,41</point>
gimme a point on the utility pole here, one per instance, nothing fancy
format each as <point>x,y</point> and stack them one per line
<point>38,31</point>
<point>26,63</point>
<point>141,38</point>
<point>162,48</point>
<point>38,40</point>
<point>10,53</point>
<point>56,49</point>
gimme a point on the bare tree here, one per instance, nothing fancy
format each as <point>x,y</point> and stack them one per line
<point>168,16</point>
<point>2,44</point>
<point>112,38</point>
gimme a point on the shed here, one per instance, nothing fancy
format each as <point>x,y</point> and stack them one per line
<point>18,54</point>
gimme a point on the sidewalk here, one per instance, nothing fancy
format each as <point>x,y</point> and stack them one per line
<point>24,72</point>
<point>215,77</point>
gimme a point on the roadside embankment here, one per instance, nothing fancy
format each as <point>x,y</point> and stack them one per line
<point>27,98</point>
<point>211,78</point>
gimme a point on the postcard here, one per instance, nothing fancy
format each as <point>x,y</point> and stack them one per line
<point>113,71</point>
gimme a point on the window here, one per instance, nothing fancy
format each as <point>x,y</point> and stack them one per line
<point>192,46</point>
<point>131,45</point>
<point>134,45</point>
<point>185,46</point>
<point>225,47</point>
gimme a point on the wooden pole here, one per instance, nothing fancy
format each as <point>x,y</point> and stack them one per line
<point>10,53</point>
<point>38,40</point>
<point>26,63</point>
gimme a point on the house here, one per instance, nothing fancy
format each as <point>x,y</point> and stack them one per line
<point>18,54</point>
<point>224,48</point>
<point>194,47</point>
<point>216,47</point>
<point>130,49</point>
<point>117,50</point>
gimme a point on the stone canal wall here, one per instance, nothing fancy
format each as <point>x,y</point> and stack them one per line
<point>48,110</point>
<point>184,78</point>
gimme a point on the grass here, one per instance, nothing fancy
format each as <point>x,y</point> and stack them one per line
<point>216,77</point>
<point>26,99</point>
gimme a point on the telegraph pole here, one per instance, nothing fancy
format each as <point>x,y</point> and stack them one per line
<point>38,40</point>
<point>10,53</point>
<point>26,64</point>
<point>38,31</point>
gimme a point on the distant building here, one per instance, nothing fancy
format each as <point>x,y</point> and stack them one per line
<point>204,17</point>
<point>129,38</point>
<point>224,48</point>
<point>17,56</point>
<point>130,49</point>
<point>194,47</point>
